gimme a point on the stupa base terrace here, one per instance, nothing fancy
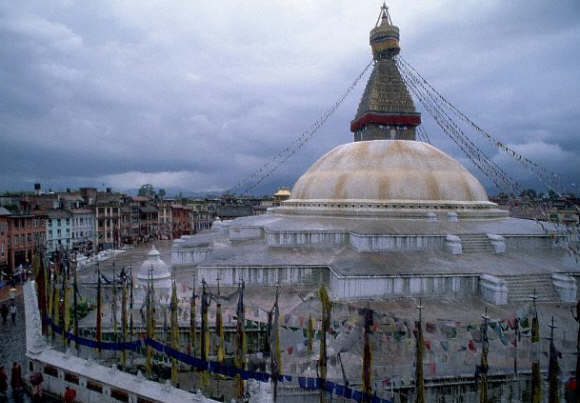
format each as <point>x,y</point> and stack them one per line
<point>501,260</point>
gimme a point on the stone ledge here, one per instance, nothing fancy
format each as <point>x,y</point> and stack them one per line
<point>565,287</point>
<point>493,289</point>
<point>453,245</point>
<point>497,242</point>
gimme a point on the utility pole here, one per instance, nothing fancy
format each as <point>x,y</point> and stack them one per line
<point>419,376</point>
<point>577,319</point>
<point>483,367</point>
<point>553,369</point>
<point>536,376</point>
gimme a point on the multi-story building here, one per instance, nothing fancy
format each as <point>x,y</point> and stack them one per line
<point>58,230</point>
<point>165,219</point>
<point>148,222</point>
<point>4,239</point>
<point>25,236</point>
<point>181,220</point>
<point>108,220</point>
<point>204,212</point>
<point>126,238</point>
<point>83,230</point>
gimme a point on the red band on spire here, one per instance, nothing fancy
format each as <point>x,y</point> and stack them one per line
<point>407,120</point>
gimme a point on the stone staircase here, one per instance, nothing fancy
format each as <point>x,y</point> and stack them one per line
<point>475,243</point>
<point>521,287</point>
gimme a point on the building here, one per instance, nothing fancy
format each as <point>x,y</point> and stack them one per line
<point>165,219</point>
<point>26,235</point>
<point>281,195</point>
<point>58,230</point>
<point>148,222</point>
<point>204,212</point>
<point>4,239</point>
<point>83,230</point>
<point>108,220</point>
<point>181,220</point>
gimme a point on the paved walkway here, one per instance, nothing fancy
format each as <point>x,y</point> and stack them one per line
<point>5,292</point>
<point>12,346</point>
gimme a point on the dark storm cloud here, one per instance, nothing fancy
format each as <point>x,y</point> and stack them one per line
<point>195,97</point>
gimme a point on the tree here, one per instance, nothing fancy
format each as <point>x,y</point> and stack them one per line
<point>161,193</point>
<point>146,190</point>
<point>530,193</point>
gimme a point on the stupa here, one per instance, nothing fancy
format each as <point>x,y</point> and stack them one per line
<point>386,216</point>
<point>154,269</point>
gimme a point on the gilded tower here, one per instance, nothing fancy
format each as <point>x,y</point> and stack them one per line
<point>386,110</point>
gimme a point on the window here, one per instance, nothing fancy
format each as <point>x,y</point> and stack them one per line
<point>94,386</point>
<point>72,378</point>
<point>119,395</point>
<point>58,222</point>
<point>50,370</point>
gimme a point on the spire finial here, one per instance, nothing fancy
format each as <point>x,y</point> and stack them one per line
<point>384,16</point>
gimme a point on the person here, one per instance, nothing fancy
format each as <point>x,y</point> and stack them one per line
<point>16,380</point>
<point>13,312</point>
<point>36,380</point>
<point>4,313</point>
<point>3,383</point>
<point>69,395</point>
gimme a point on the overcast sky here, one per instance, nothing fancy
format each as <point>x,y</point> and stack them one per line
<point>196,95</point>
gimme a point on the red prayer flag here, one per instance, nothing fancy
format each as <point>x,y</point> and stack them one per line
<point>471,346</point>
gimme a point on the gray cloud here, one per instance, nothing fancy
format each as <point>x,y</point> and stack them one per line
<point>197,96</point>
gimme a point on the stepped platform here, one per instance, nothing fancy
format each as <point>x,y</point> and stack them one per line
<point>521,287</point>
<point>475,243</point>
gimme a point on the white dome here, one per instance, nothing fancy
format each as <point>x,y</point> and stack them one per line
<point>388,170</point>
<point>158,268</point>
<point>400,178</point>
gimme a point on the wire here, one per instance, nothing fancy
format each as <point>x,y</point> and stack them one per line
<point>549,179</point>
<point>269,168</point>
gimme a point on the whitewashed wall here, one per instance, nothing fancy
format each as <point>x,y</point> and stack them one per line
<point>394,286</point>
<point>312,239</point>
<point>377,243</point>
<point>245,233</point>
<point>515,242</point>
<point>264,276</point>
<point>191,255</point>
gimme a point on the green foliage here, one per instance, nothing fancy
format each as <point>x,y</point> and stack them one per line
<point>530,193</point>
<point>147,190</point>
<point>83,309</point>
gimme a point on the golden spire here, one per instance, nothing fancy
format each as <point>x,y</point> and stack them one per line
<point>384,37</point>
